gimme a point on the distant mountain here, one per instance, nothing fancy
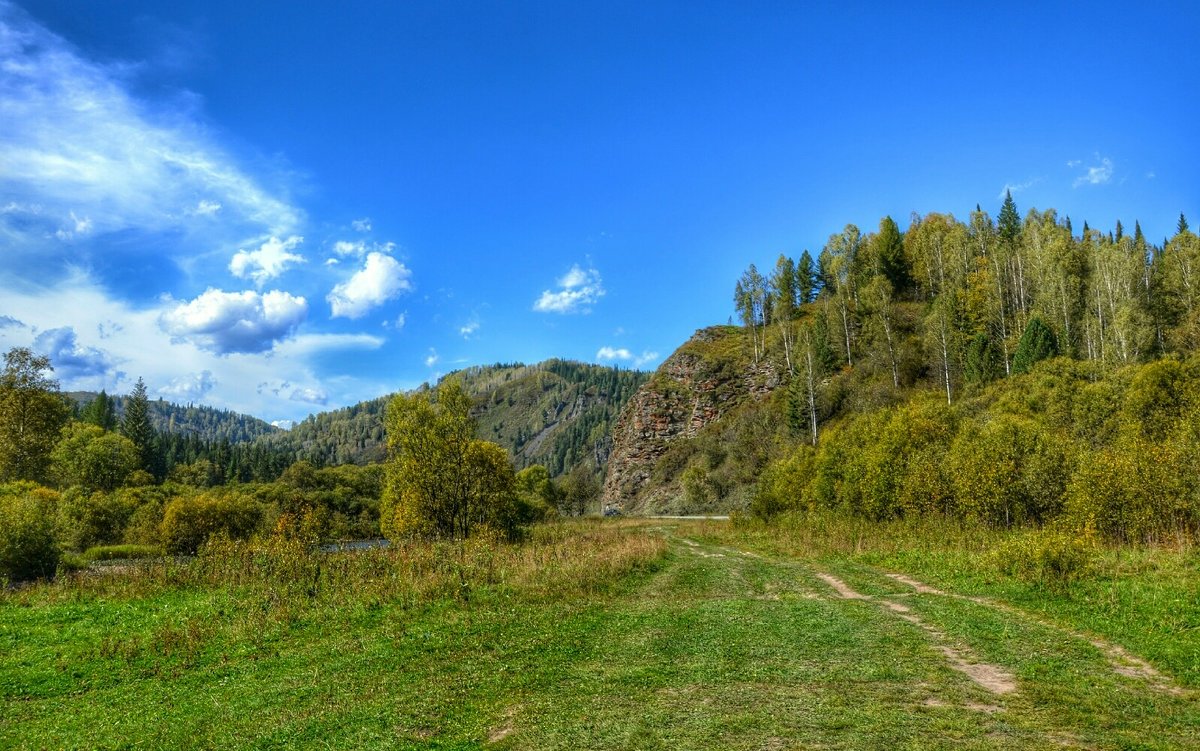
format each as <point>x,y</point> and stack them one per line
<point>204,423</point>
<point>557,413</point>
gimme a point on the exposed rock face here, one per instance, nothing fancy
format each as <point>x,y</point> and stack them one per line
<point>693,387</point>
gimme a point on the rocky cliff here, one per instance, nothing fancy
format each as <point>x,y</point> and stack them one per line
<point>661,432</point>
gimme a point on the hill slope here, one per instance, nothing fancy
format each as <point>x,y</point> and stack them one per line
<point>205,423</point>
<point>555,413</point>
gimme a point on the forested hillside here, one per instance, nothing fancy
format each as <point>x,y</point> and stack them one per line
<point>204,423</point>
<point>880,327</point>
<point>556,413</point>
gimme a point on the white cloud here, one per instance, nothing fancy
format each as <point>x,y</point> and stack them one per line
<point>1018,187</point>
<point>578,290</point>
<point>284,424</point>
<point>10,322</point>
<point>268,262</point>
<point>1099,174</point>
<point>189,387</point>
<point>432,358</point>
<point>226,322</point>
<point>305,345</point>
<point>82,155</point>
<point>70,358</point>
<point>382,278</point>
<point>309,396</point>
<point>606,354</point>
<point>468,330</point>
<point>398,324</point>
<point>361,225</point>
<point>1073,163</point>
<point>359,248</point>
<point>142,347</point>
<point>207,208</point>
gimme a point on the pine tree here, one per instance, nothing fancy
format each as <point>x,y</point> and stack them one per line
<point>137,427</point>
<point>1010,220</point>
<point>1120,231</point>
<point>1183,225</point>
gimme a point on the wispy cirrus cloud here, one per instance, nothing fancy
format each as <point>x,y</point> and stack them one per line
<point>578,290</point>
<point>1017,187</point>
<point>81,157</point>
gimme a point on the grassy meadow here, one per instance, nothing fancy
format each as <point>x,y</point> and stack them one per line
<point>624,634</point>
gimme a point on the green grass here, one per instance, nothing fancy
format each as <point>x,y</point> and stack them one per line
<point>615,636</point>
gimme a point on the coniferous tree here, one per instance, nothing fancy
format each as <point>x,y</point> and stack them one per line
<point>807,280</point>
<point>101,412</point>
<point>890,258</point>
<point>137,427</point>
<point>1182,226</point>
<point>1037,343</point>
<point>1009,223</point>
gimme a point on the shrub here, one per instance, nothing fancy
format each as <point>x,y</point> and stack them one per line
<point>189,521</point>
<point>28,548</point>
<point>89,519</point>
<point>1047,557</point>
<point>783,485</point>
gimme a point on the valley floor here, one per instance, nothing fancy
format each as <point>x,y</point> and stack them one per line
<point>723,643</point>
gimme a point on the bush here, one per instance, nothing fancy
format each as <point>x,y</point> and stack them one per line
<point>1049,558</point>
<point>89,519</point>
<point>783,485</point>
<point>28,548</point>
<point>189,521</point>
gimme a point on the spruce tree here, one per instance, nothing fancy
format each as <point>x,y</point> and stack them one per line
<point>137,427</point>
<point>889,255</point>
<point>806,277</point>
<point>101,412</point>
<point>1037,343</point>
<point>1183,225</point>
<point>1120,231</point>
<point>1010,220</point>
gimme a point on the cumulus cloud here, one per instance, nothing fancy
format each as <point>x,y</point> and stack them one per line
<point>309,396</point>
<point>70,358</point>
<point>284,424</point>
<point>189,387</point>
<point>228,322</point>
<point>432,358</point>
<point>610,354</point>
<point>82,155</point>
<point>271,259</point>
<point>1099,174</point>
<point>361,225</point>
<point>468,330</point>
<point>577,291</point>
<point>382,278</point>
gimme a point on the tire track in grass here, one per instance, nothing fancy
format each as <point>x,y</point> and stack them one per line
<point>1122,661</point>
<point>991,678</point>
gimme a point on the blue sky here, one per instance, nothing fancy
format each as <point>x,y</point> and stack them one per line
<point>280,208</point>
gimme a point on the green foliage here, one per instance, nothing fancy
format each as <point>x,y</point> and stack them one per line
<point>191,520</point>
<point>86,519</point>
<point>100,412</point>
<point>890,258</point>
<point>1009,223</point>
<point>137,428</point>
<point>92,458</point>
<point>28,546</point>
<point>580,492</point>
<point>1047,557</point>
<point>441,481</point>
<point>31,414</point>
<point>982,361</point>
<point>121,552</point>
<point>1037,343</point>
